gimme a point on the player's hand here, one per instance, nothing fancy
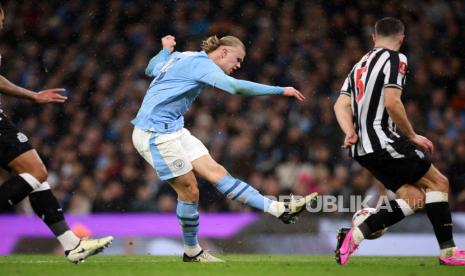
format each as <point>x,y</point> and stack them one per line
<point>350,139</point>
<point>423,142</point>
<point>50,96</point>
<point>168,42</point>
<point>292,92</point>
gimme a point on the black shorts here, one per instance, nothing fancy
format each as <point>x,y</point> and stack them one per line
<point>405,165</point>
<point>13,143</point>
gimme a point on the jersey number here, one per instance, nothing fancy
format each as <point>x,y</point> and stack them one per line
<point>359,82</point>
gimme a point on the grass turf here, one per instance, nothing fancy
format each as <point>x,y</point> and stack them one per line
<point>235,265</point>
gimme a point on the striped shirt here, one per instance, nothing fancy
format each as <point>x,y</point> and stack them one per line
<point>378,69</point>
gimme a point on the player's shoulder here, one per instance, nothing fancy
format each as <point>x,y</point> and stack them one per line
<point>200,60</point>
<point>197,63</point>
<point>402,57</point>
<point>396,54</point>
<point>400,60</point>
<point>193,55</point>
<point>195,58</point>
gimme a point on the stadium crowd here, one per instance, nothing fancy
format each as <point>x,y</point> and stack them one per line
<point>98,51</point>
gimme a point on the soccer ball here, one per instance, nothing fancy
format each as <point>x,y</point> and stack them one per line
<point>361,215</point>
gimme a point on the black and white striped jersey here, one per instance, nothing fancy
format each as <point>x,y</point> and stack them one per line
<point>378,69</point>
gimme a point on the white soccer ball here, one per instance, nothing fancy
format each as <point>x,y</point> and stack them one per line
<point>361,215</point>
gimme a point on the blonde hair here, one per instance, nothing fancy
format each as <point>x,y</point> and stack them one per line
<point>213,42</point>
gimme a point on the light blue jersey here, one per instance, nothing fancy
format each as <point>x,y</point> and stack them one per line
<point>178,80</point>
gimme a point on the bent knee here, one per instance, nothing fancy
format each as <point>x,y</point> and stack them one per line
<point>219,170</point>
<point>417,201</point>
<point>414,197</point>
<point>443,184</point>
<point>187,190</point>
<point>215,173</point>
<point>40,173</point>
<point>190,194</point>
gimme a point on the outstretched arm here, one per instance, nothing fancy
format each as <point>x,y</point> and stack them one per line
<point>248,88</point>
<point>168,42</point>
<point>44,96</point>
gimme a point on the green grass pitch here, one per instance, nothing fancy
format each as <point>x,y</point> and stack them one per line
<point>235,265</point>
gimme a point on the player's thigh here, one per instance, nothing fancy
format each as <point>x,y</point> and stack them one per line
<point>207,168</point>
<point>164,152</point>
<point>17,154</point>
<point>194,148</point>
<point>413,195</point>
<point>204,165</point>
<point>434,180</point>
<point>29,162</point>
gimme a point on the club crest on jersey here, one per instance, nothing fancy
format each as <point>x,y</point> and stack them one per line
<point>403,68</point>
<point>178,164</point>
<point>22,137</point>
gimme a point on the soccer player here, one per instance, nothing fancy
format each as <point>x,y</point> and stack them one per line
<point>29,175</point>
<point>177,156</point>
<point>369,111</point>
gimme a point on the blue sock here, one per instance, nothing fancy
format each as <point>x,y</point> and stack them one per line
<point>189,220</point>
<point>238,190</point>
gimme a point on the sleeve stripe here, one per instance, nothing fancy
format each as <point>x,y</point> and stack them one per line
<point>393,85</point>
<point>345,92</point>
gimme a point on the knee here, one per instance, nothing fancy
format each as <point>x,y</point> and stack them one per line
<point>220,171</point>
<point>417,201</point>
<point>193,193</point>
<point>442,184</point>
<point>40,173</point>
<point>190,192</point>
<point>414,197</point>
<point>215,173</point>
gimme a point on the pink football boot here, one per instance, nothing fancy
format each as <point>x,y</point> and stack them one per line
<point>458,259</point>
<point>345,245</point>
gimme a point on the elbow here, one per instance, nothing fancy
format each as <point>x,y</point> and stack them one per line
<point>390,105</point>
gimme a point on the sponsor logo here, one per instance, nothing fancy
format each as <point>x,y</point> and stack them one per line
<point>420,153</point>
<point>22,137</point>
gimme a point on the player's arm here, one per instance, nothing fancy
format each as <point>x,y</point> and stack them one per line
<point>168,42</point>
<point>395,73</point>
<point>344,116</point>
<point>44,96</point>
<point>396,111</point>
<point>248,88</point>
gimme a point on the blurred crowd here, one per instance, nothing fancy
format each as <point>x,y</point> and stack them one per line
<point>98,51</point>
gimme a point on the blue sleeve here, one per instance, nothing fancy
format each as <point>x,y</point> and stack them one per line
<point>159,59</point>
<point>241,87</point>
<point>209,73</point>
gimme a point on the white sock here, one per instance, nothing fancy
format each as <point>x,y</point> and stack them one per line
<point>192,250</point>
<point>357,235</point>
<point>276,208</point>
<point>447,252</point>
<point>68,240</point>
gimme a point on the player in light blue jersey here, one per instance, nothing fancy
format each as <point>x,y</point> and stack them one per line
<point>177,156</point>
